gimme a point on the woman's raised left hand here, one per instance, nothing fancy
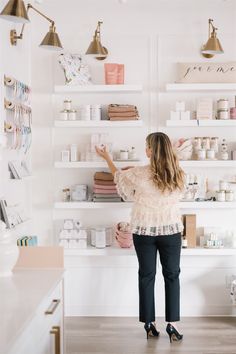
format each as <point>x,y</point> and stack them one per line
<point>102,152</point>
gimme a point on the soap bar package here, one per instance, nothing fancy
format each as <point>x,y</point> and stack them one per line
<point>79,193</point>
<point>190,230</point>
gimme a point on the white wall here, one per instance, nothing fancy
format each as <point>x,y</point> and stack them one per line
<point>149,37</point>
<point>15,61</point>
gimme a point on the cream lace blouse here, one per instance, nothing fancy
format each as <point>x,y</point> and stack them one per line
<point>154,212</point>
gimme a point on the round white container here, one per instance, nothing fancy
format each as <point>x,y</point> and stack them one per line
<point>72,115</point>
<point>229,196</point>
<point>223,114</point>
<point>96,112</point>
<point>220,196</point>
<point>224,155</point>
<point>67,105</point>
<point>124,155</point>
<point>223,103</point>
<point>210,154</point>
<point>201,154</point>
<point>85,112</point>
<point>64,115</point>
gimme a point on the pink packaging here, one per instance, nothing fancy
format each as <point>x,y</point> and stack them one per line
<point>114,74</point>
<point>233,113</point>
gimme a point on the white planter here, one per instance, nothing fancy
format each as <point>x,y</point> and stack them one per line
<point>9,251</point>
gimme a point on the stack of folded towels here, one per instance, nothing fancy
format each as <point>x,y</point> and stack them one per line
<point>122,112</point>
<point>104,189</point>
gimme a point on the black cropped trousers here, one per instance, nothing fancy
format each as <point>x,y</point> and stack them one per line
<point>169,248</point>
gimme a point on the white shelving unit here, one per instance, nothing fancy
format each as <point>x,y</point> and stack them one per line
<point>201,123</point>
<point>97,88</point>
<point>208,163</point>
<point>98,124</point>
<point>200,87</point>
<point>95,164</point>
<point>121,205</point>
<point>116,251</point>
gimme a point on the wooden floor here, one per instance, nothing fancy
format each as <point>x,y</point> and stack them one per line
<point>121,335</point>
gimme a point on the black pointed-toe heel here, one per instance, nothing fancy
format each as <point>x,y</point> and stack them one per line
<point>151,330</point>
<point>174,335</point>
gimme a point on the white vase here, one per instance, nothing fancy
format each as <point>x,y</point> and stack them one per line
<point>9,251</point>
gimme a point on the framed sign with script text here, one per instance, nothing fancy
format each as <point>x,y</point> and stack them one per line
<point>206,72</point>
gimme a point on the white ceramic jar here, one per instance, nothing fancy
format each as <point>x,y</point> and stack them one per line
<point>64,114</point>
<point>223,104</point>
<point>96,112</point>
<point>201,154</point>
<point>67,105</point>
<point>229,196</point>
<point>85,112</point>
<point>72,114</point>
<point>210,154</point>
<point>124,154</point>
<point>220,196</point>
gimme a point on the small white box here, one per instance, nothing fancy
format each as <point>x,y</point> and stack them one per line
<point>73,153</point>
<point>174,115</point>
<point>185,115</point>
<point>180,106</point>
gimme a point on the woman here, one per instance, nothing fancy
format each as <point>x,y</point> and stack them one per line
<point>156,225</point>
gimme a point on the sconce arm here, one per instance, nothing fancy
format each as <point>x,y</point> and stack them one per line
<point>29,6</point>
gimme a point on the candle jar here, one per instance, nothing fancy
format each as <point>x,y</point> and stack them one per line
<point>229,196</point>
<point>223,104</point>
<point>201,154</point>
<point>223,114</point>
<point>85,111</point>
<point>132,153</point>
<point>220,196</point>
<point>224,155</point>
<point>64,115</point>
<point>214,144</point>
<point>67,105</point>
<point>96,112</point>
<point>72,114</point>
<point>197,144</point>
<point>124,154</point>
<point>210,154</point>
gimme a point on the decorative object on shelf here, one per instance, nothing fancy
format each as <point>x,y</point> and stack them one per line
<point>124,155</point>
<point>233,113</point>
<point>207,72</point>
<point>73,153</point>
<point>114,74</point>
<point>123,235</point>
<point>18,169</point>
<point>19,90</point>
<point>8,251</point>
<point>104,189</point>
<point>66,195</point>
<point>12,215</point>
<point>65,155</point>
<point>76,73</point>
<point>132,153</point>
<point>68,113</point>
<point>96,112</point>
<point>184,149</point>
<point>213,45</point>
<point>190,229</point>
<point>205,108</point>
<point>184,242</point>
<point>15,11</point>
<point>26,241</point>
<point>79,193</point>
<point>96,49</point>
<point>180,112</point>
<point>224,155</point>
<point>72,235</point>
<point>213,237</point>
<point>98,237</point>
<point>122,112</point>
<point>85,112</point>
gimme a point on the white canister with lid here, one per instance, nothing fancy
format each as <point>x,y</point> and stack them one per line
<point>64,114</point>
<point>220,196</point>
<point>229,196</point>
<point>222,103</point>
<point>210,154</point>
<point>100,237</point>
<point>124,154</point>
<point>72,114</point>
<point>85,112</point>
<point>132,154</point>
<point>223,114</point>
<point>201,154</point>
<point>67,105</point>
<point>96,112</point>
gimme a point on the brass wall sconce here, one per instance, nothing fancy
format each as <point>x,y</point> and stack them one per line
<point>15,11</point>
<point>96,48</point>
<point>213,45</point>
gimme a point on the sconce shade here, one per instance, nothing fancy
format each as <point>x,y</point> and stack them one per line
<point>51,40</point>
<point>213,46</point>
<point>15,11</point>
<point>96,49</point>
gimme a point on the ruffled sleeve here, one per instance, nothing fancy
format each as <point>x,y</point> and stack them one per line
<point>126,183</point>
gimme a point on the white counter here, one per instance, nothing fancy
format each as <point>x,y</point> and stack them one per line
<point>21,296</point>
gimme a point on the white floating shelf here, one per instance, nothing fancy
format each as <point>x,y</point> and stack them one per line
<point>116,251</point>
<point>119,205</point>
<point>99,123</point>
<point>208,163</point>
<point>201,123</point>
<point>91,205</point>
<point>95,164</point>
<point>97,88</point>
<point>201,87</point>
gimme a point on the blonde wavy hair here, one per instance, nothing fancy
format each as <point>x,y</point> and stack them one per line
<point>167,174</point>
